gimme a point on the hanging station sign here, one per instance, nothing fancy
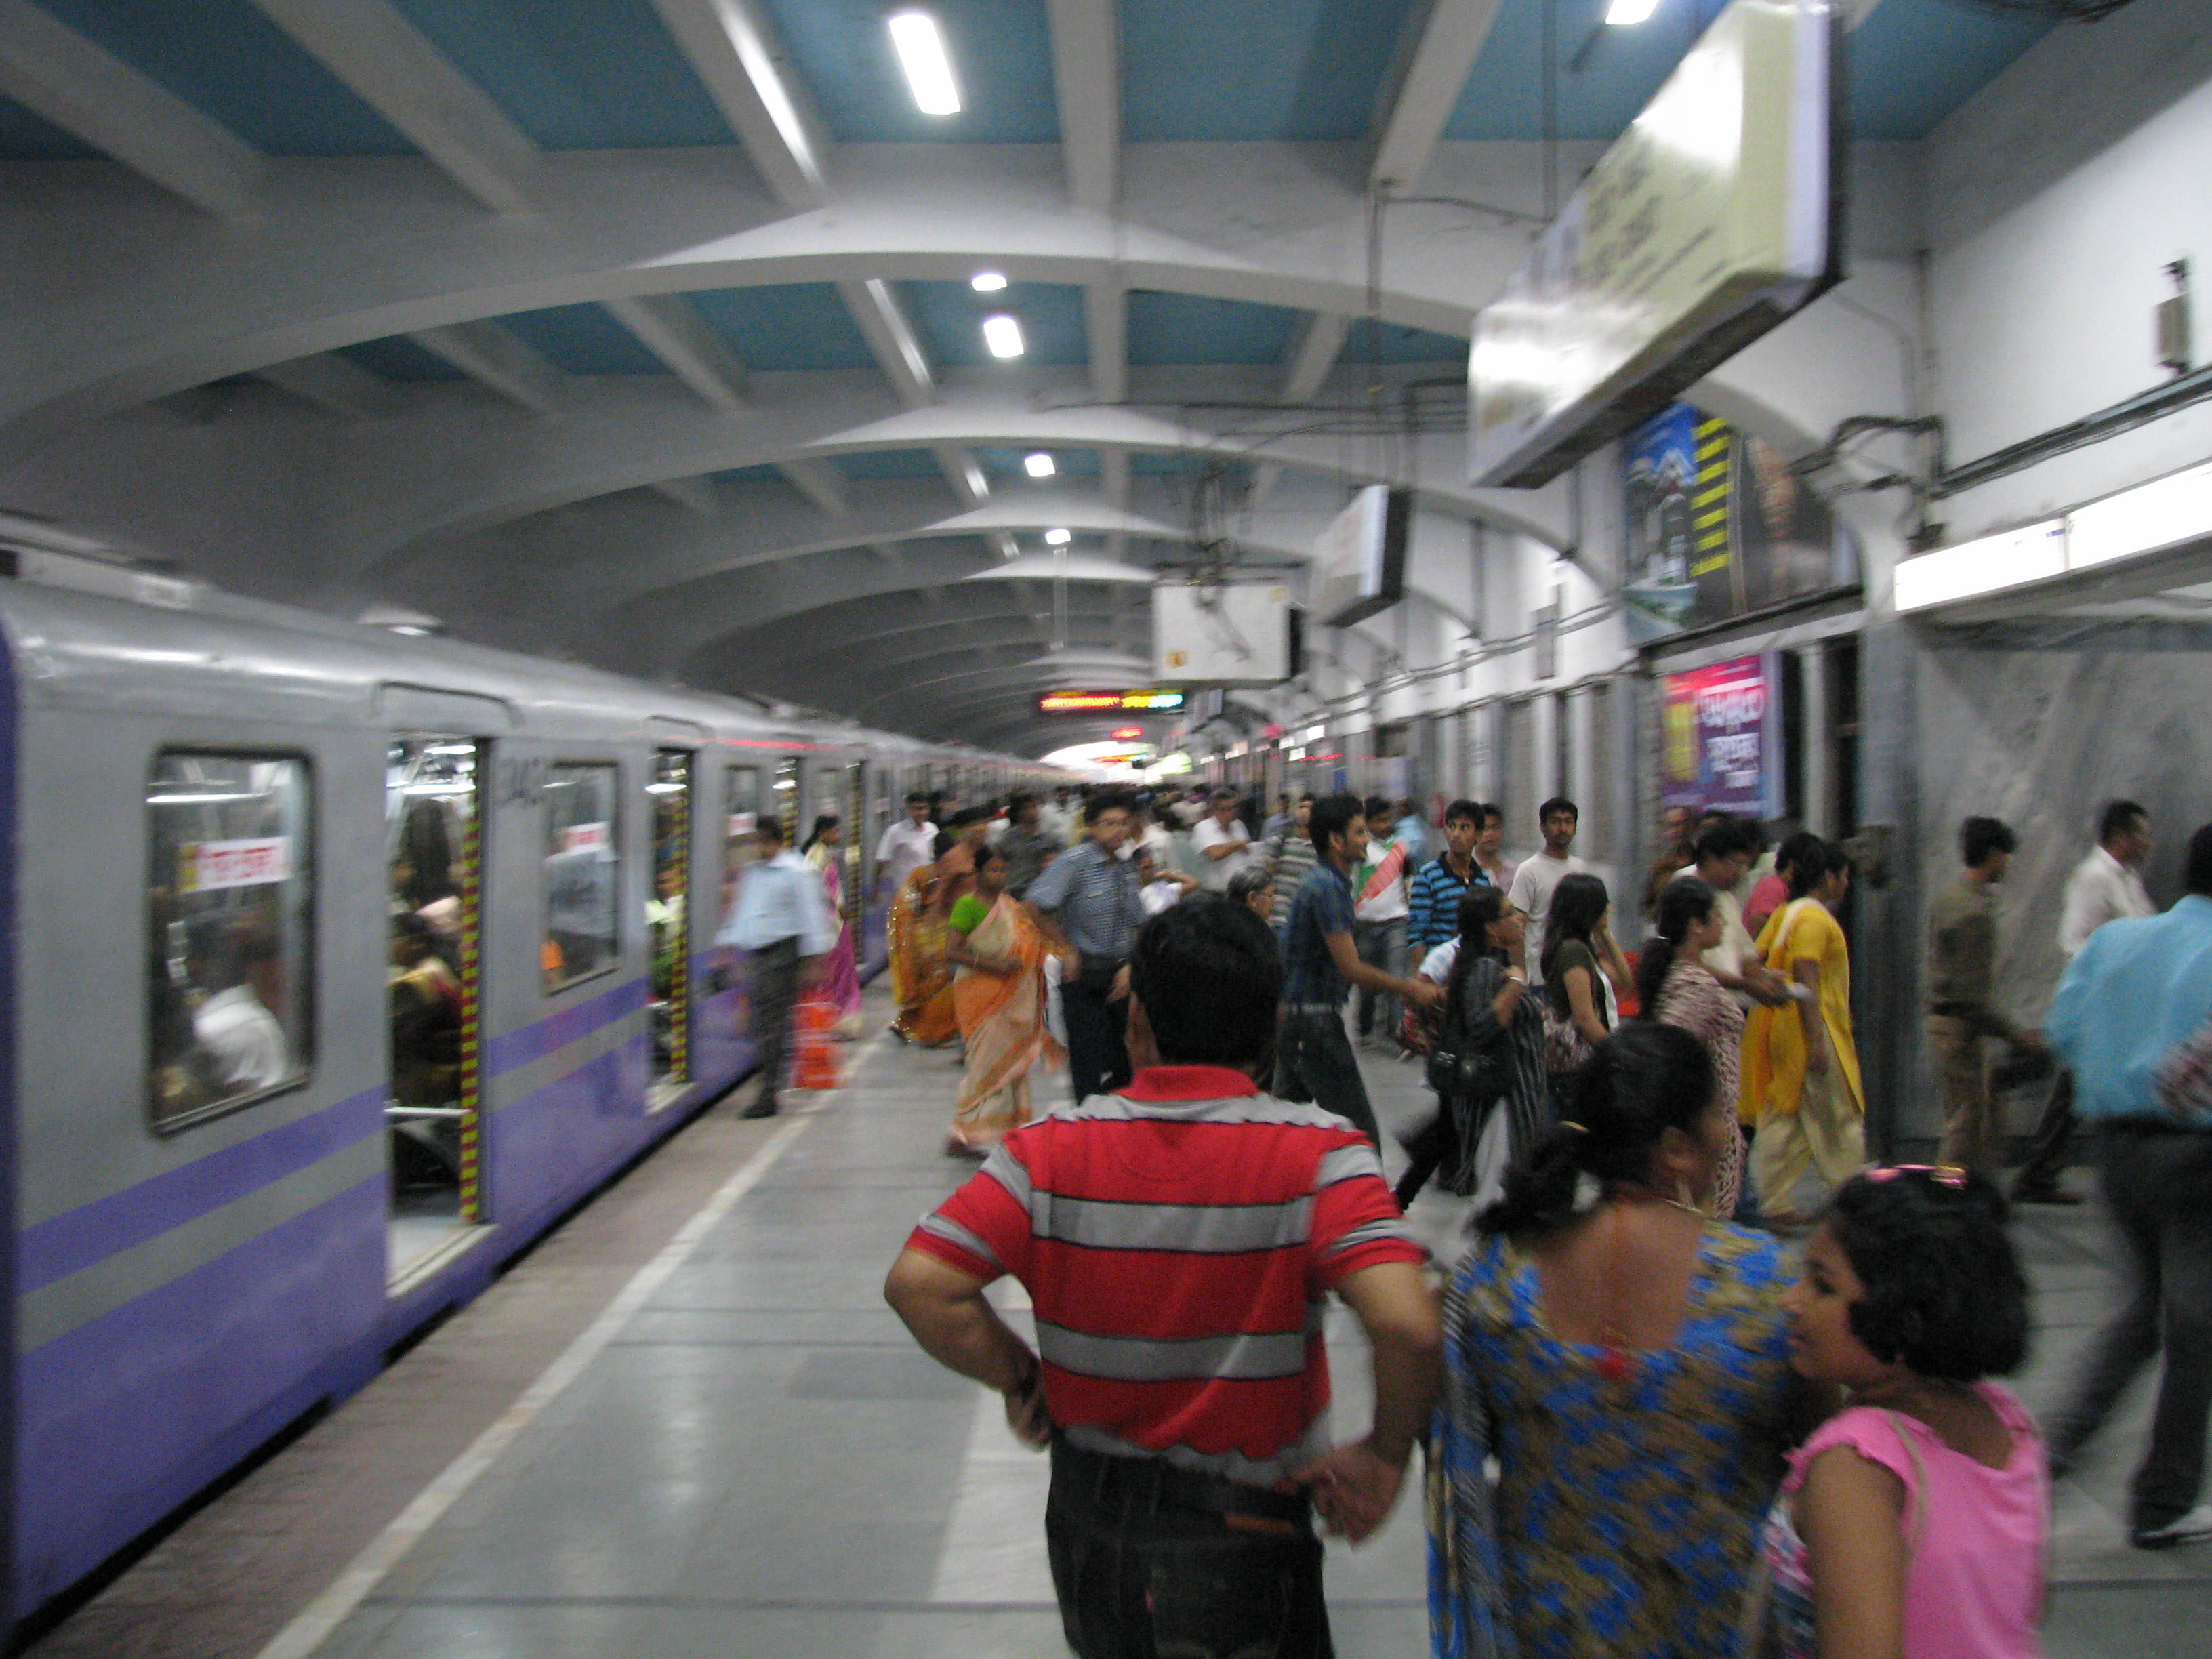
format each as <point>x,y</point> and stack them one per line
<point>1109,702</point>
<point>1722,739</point>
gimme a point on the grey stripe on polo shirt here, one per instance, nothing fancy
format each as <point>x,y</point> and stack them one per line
<point>1371,1232</point>
<point>1003,1167</point>
<point>1196,1229</point>
<point>1347,1164</point>
<point>954,1234</point>
<point>1240,1357</point>
<point>1235,1109</point>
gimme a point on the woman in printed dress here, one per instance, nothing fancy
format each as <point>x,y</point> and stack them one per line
<point>1675,988</point>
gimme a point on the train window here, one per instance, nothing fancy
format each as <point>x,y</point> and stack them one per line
<point>667,925</point>
<point>741,811</point>
<point>583,864</point>
<point>230,920</point>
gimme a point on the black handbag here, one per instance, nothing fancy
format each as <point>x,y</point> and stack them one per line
<point>1461,1070</point>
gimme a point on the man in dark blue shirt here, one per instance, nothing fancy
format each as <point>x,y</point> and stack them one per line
<point>1439,884</point>
<point>1314,1060</point>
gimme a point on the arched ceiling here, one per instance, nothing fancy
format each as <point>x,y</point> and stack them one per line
<point>641,329</point>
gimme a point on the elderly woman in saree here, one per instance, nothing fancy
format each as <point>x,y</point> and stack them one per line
<point>999,995</point>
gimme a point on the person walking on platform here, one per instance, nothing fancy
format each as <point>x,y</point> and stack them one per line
<point>1962,962</point>
<point>1801,1062</point>
<point>1379,907</point>
<point>1315,1061</point>
<point>1180,1383</point>
<point>1432,912</point>
<point>784,929</point>
<point>1290,856</point>
<point>999,995</point>
<point>1490,847</point>
<point>2137,993</point>
<point>1028,845</point>
<point>1222,844</point>
<point>2105,886</point>
<point>1087,904</point>
<point>840,975</point>
<point>1539,877</point>
<point>904,847</point>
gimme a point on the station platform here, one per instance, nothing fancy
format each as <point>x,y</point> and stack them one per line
<point>687,1425</point>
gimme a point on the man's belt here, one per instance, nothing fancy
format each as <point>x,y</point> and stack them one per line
<point>1143,1484</point>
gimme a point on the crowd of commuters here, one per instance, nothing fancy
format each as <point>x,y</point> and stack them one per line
<point>1703,1382</point>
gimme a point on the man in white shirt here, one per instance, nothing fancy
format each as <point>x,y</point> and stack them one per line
<point>905,845</point>
<point>782,922</point>
<point>1382,904</point>
<point>244,1046</point>
<point>1724,856</point>
<point>1224,845</point>
<point>2105,886</point>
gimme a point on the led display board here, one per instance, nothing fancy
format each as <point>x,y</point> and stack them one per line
<point>1711,220</point>
<point>1223,633</point>
<point>1109,702</point>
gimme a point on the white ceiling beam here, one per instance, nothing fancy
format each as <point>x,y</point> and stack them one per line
<point>693,495</point>
<point>81,89</point>
<point>332,382</point>
<point>1086,61</point>
<point>1113,484</point>
<point>1315,354</point>
<point>819,482</point>
<point>968,480</point>
<point>491,355</point>
<point>733,50</point>
<point>892,338</point>
<point>1436,69</point>
<point>1106,322</point>
<point>393,68</point>
<point>671,328</point>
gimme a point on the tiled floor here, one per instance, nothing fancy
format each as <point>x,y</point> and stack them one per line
<point>757,1462</point>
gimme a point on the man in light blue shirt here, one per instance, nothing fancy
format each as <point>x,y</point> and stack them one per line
<point>2137,991</point>
<point>782,923</point>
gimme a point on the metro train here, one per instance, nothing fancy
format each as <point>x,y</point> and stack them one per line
<point>341,965</point>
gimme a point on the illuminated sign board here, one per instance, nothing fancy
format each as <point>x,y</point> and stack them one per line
<point>1109,702</point>
<point>1126,733</point>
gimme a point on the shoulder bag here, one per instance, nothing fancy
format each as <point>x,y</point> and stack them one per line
<point>1460,1068</point>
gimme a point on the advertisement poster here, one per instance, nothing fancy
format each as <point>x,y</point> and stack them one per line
<point>208,867</point>
<point>1721,736</point>
<point>1718,526</point>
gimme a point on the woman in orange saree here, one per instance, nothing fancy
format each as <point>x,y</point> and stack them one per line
<point>998,994</point>
<point>922,979</point>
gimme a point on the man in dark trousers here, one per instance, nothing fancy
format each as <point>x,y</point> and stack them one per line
<point>1962,966</point>
<point>784,927</point>
<point>1175,1240</point>
<point>1086,903</point>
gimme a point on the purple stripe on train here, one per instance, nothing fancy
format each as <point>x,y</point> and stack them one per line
<point>503,1053</point>
<point>69,1242</point>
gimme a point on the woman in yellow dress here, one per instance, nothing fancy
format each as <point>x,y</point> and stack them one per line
<point>999,995</point>
<point>1801,1063</point>
<point>921,978</point>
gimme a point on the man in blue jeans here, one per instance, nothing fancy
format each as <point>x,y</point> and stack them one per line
<point>1314,1060</point>
<point>2138,990</point>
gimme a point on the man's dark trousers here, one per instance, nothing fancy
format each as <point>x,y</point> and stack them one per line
<point>1097,1059</point>
<point>2047,1147</point>
<point>1149,1561</point>
<point>2157,1181</point>
<point>1314,1062</point>
<point>773,992</point>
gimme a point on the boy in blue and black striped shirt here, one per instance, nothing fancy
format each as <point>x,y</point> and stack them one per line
<point>1433,916</point>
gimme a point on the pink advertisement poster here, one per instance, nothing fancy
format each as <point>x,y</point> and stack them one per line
<point>1722,739</point>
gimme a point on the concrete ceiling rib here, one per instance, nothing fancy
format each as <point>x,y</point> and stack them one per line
<point>1450,37</point>
<point>490,354</point>
<point>83,89</point>
<point>396,72</point>
<point>820,482</point>
<point>1086,61</point>
<point>695,495</point>
<point>732,48</point>
<point>671,328</point>
<point>332,384</point>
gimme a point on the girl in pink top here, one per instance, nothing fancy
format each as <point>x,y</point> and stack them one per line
<point>1913,1524</point>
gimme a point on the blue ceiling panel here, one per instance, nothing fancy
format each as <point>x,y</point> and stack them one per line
<point>949,318</point>
<point>584,340</point>
<point>228,60</point>
<point>397,358</point>
<point>26,136</point>
<point>1916,61</point>
<point>576,74</point>
<point>1185,328</point>
<point>786,326</point>
<point>1253,70</point>
<point>1004,461</point>
<point>1397,344</point>
<point>889,464</point>
<point>1001,55</point>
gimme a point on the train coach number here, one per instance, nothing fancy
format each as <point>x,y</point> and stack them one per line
<point>521,780</point>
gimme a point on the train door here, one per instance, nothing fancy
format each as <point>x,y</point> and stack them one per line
<point>741,805</point>
<point>434,860</point>
<point>854,807</point>
<point>789,799</point>
<point>668,925</point>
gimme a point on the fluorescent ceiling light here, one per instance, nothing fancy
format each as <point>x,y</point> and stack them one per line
<point>1002,333</point>
<point>1040,465</point>
<point>2034,553</point>
<point>987,282</point>
<point>1058,537</point>
<point>2163,514</point>
<point>1626,14</point>
<point>920,47</point>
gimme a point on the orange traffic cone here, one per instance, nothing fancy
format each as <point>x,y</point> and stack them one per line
<point>816,1062</point>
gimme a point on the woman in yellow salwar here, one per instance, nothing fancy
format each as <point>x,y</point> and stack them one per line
<point>1800,1063</point>
<point>1000,995</point>
<point>921,978</point>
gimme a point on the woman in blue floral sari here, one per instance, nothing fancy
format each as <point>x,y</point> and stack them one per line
<point>1618,1392</point>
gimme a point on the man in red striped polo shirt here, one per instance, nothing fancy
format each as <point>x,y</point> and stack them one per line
<point>1176,1240</point>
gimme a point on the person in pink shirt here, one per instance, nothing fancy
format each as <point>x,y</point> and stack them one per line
<point>1911,1525</point>
<point>1772,891</point>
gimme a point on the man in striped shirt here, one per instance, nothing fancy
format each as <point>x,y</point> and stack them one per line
<point>1439,884</point>
<point>1177,1239</point>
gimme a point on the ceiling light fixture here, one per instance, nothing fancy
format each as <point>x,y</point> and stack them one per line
<point>1626,14</point>
<point>987,282</point>
<point>1058,537</point>
<point>1040,465</point>
<point>920,47</point>
<point>1002,335</point>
